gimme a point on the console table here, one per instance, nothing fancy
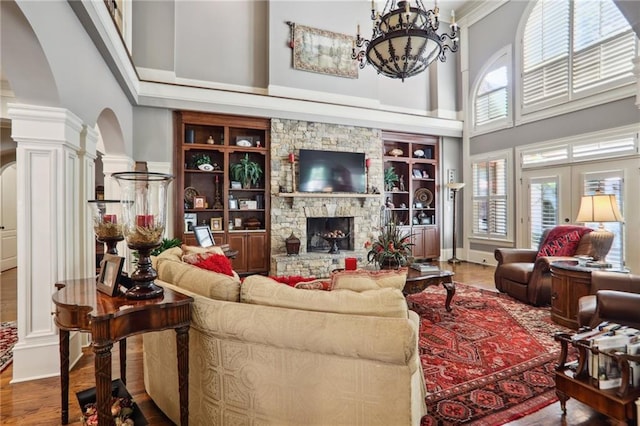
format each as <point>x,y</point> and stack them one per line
<point>569,282</point>
<point>79,306</point>
<point>418,281</point>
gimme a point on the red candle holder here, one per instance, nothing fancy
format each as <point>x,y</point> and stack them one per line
<point>350,263</point>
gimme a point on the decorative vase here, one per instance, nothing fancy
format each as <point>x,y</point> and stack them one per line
<point>389,264</point>
<point>105,223</point>
<point>144,202</point>
<point>293,245</point>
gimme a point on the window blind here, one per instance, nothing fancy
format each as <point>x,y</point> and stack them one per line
<point>490,198</point>
<point>559,63</point>
<point>543,207</point>
<point>492,97</point>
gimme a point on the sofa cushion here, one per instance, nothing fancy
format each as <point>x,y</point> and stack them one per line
<point>200,281</point>
<point>384,302</point>
<point>562,241</point>
<point>518,272</point>
<point>362,279</point>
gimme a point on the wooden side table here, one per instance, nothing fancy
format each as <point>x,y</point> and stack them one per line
<point>79,306</point>
<point>569,282</point>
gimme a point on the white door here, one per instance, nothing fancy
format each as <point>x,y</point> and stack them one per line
<point>8,222</point>
<point>546,202</point>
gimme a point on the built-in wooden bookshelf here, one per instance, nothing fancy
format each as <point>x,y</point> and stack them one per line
<point>238,215</point>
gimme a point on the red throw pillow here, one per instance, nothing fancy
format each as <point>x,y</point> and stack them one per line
<point>562,241</point>
<point>292,280</point>
<point>216,263</point>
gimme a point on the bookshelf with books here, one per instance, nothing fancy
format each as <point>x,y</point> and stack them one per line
<point>207,149</point>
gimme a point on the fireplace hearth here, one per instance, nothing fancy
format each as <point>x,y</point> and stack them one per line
<point>323,226</point>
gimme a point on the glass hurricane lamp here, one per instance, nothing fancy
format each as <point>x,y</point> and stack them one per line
<point>144,211</point>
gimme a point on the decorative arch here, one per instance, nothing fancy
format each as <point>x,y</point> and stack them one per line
<point>111,140</point>
<point>24,63</point>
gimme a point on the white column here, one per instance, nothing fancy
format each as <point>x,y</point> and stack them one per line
<point>167,168</point>
<point>88,141</point>
<point>48,188</point>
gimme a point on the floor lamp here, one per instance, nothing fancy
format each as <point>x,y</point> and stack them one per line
<point>454,187</point>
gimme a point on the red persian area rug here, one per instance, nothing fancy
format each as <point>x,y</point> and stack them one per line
<point>8,338</point>
<point>489,361</point>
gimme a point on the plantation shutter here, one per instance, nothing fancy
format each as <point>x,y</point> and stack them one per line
<point>490,198</point>
<point>608,183</point>
<point>492,97</point>
<point>543,207</point>
<point>603,45</point>
<point>546,52</point>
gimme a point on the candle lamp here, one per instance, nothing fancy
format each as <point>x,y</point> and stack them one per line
<point>292,160</point>
<point>105,223</point>
<point>144,215</point>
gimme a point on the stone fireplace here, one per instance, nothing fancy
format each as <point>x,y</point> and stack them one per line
<point>318,226</point>
<point>291,212</point>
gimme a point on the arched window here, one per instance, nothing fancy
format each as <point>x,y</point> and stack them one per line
<point>492,94</point>
<point>572,49</point>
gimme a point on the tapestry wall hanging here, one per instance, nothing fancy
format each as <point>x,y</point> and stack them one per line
<point>322,51</point>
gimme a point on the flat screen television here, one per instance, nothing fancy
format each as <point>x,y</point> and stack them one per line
<point>331,171</point>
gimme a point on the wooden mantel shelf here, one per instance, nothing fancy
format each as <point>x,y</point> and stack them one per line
<point>326,195</point>
<point>294,195</point>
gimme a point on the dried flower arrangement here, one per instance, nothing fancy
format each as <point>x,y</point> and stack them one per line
<point>145,236</point>
<point>107,230</point>
<point>121,410</point>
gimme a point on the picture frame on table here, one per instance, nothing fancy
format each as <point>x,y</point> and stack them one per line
<point>109,276</point>
<point>190,220</point>
<point>203,236</point>
<point>216,224</point>
<point>237,223</point>
<point>233,204</point>
<point>199,202</point>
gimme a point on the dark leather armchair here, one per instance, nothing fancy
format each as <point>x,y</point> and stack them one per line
<point>615,297</point>
<point>526,277</point>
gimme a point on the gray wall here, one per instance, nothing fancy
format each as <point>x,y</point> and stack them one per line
<point>152,134</point>
<point>200,40</point>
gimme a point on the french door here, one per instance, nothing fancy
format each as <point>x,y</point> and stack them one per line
<point>551,196</point>
<point>546,202</point>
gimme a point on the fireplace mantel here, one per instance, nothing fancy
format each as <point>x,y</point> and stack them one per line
<point>361,197</point>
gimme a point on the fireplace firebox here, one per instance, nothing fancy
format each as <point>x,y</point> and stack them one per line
<point>317,227</point>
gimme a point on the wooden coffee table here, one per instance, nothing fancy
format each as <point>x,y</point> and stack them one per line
<point>418,281</point>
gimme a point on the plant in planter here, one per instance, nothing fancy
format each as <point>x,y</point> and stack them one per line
<point>390,178</point>
<point>201,160</point>
<point>246,171</point>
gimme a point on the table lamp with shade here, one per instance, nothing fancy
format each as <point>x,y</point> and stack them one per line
<point>600,208</point>
<point>454,187</point>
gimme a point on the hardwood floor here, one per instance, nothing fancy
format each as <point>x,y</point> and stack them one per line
<point>37,402</point>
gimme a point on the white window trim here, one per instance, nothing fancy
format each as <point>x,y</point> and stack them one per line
<point>613,91</point>
<point>500,123</point>
<point>570,142</point>
<point>506,154</point>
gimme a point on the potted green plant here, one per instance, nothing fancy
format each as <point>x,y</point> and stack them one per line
<point>201,160</point>
<point>392,248</point>
<point>390,178</point>
<point>246,171</point>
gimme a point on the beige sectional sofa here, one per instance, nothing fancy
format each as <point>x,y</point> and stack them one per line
<point>265,353</point>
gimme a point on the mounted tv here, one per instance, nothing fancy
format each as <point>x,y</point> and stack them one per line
<point>331,171</point>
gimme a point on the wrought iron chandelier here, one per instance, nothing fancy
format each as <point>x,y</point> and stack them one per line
<point>404,40</point>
